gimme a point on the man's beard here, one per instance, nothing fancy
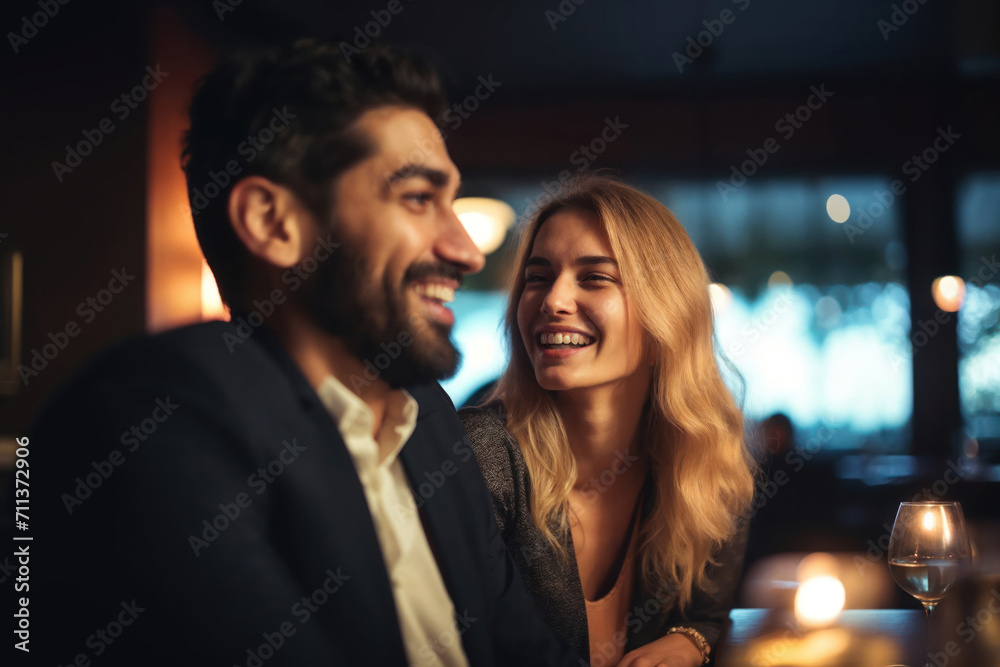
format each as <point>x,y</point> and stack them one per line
<point>371,316</point>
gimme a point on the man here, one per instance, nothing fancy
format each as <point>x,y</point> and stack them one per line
<point>291,487</point>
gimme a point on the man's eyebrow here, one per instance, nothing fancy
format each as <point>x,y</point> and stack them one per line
<point>586,260</point>
<point>437,177</point>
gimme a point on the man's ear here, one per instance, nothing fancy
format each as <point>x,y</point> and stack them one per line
<point>270,220</point>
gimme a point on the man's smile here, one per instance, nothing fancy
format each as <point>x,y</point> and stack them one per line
<point>434,294</point>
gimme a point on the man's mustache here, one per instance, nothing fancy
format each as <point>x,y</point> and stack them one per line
<point>433,270</point>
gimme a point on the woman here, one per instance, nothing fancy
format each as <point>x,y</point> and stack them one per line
<point>613,450</point>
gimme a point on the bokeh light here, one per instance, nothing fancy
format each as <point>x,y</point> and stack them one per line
<point>838,208</point>
<point>721,297</point>
<point>819,601</point>
<point>486,220</point>
<point>949,293</point>
<point>778,278</point>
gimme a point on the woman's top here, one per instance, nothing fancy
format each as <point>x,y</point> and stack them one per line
<point>554,582</point>
<point>606,615</point>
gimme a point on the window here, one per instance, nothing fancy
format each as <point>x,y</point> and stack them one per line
<point>813,313</point>
<point>978,222</point>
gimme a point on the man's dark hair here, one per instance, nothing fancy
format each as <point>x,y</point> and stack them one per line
<point>285,113</point>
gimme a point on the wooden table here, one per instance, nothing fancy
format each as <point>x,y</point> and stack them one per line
<point>905,627</point>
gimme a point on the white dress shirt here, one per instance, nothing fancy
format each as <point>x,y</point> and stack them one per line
<point>426,613</point>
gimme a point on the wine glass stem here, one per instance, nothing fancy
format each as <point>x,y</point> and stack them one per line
<point>928,610</point>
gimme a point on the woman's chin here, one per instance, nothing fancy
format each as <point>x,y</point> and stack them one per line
<point>557,381</point>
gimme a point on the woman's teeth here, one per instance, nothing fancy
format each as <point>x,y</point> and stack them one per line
<point>565,339</point>
<point>436,291</point>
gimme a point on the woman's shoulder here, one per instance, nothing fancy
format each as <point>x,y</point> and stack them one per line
<point>498,456</point>
<point>486,427</point>
<point>492,413</point>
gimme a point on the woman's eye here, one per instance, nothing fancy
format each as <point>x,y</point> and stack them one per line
<point>593,277</point>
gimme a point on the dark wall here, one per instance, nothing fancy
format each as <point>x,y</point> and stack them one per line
<point>75,232</point>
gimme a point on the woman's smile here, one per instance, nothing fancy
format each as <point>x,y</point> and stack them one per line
<point>573,312</point>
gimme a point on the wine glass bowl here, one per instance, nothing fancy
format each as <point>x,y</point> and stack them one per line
<point>928,548</point>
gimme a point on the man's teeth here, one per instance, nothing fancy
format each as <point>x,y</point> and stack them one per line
<point>565,339</point>
<point>436,291</point>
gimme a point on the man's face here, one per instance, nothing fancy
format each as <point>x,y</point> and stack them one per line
<point>403,251</point>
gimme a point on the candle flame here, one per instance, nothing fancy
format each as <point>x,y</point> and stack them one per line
<point>819,601</point>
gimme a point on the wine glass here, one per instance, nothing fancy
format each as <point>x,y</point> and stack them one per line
<point>928,548</point>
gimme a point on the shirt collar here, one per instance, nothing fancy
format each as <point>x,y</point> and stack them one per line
<point>355,419</point>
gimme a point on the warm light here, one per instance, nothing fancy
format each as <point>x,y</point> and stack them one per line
<point>778,278</point>
<point>211,302</point>
<point>486,221</point>
<point>837,208</point>
<point>173,258</point>
<point>720,296</point>
<point>819,601</point>
<point>817,565</point>
<point>949,293</point>
<point>485,234</point>
<point>929,520</point>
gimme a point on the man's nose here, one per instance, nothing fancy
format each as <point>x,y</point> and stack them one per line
<point>455,246</point>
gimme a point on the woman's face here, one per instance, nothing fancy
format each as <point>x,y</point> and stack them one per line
<point>574,317</point>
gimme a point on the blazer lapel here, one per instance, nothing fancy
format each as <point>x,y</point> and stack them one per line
<point>340,486</point>
<point>443,514</point>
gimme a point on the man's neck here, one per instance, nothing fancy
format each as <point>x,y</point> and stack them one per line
<point>319,355</point>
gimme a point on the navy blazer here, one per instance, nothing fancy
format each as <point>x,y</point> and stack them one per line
<point>196,504</point>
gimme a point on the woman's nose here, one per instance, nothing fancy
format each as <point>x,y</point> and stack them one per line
<point>561,297</point>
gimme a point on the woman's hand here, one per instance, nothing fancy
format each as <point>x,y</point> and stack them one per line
<point>674,650</point>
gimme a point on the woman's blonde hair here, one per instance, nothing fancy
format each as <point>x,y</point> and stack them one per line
<point>692,427</point>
